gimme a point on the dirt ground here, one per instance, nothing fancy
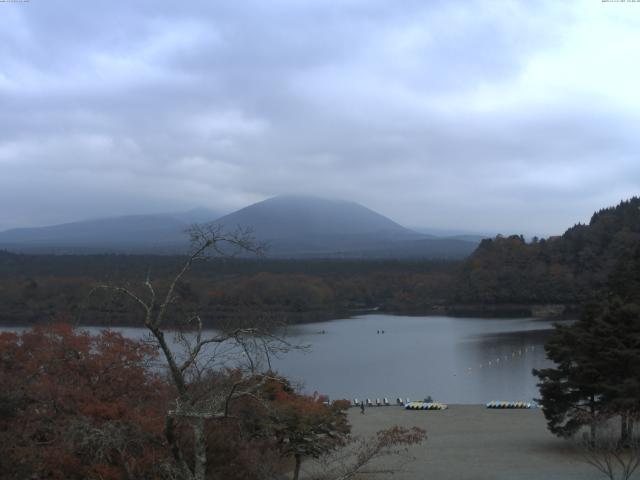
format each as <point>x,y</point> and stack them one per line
<point>471,442</point>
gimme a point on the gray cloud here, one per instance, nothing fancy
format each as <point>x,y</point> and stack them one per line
<point>501,117</point>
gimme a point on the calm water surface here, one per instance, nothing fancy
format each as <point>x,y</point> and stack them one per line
<point>454,360</point>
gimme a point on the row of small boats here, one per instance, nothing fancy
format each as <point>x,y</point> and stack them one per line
<point>425,405</point>
<point>377,403</point>
<point>499,404</point>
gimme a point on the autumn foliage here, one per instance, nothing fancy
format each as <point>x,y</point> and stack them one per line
<point>74,405</point>
<point>307,426</point>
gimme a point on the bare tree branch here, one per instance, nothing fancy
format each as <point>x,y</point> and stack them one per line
<point>607,453</point>
<point>200,399</point>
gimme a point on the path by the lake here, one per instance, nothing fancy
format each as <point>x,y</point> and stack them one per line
<point>470,442</point>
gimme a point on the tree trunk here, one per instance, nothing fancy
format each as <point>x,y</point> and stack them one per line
<point>200,449</point>
<point>170,433</point>
<point>593,425</point>
<point>176,374</point>
<point>296,471</point>
<point>624,429</point>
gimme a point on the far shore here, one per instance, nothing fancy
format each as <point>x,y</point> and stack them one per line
<point>320,316</point>
<point>471,442</point>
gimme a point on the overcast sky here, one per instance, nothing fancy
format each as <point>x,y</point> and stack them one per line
<point>513,117</point>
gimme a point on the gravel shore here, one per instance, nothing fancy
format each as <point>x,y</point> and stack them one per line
<point>471,442</point>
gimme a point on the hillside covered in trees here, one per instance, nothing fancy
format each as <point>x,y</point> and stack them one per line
<point>559,270</point>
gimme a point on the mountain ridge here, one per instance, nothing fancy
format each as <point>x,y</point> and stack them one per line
<point>293,225</point>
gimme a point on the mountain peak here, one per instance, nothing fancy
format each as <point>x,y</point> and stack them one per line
<point>292,216</point>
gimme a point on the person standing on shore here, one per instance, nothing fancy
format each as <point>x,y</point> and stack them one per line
<point>362,408</point>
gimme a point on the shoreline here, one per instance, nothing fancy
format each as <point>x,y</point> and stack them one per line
<point>321,317</point>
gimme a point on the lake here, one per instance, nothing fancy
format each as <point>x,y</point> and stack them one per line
<point>453,360</point>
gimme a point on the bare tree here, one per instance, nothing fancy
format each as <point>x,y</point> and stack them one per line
<point>198,398</point>
<point>204,394</point>
<point>608,453</point>
<point>384,454</point>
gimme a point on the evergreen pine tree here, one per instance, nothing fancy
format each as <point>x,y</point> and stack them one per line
<point>597,372</point>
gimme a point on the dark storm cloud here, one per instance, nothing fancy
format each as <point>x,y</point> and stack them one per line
<point>497,117</point>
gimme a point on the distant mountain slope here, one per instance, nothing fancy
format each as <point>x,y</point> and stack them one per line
<point>444,249</point>
<point>126,233</point>
<point>452,233</point>
<point>299,226</point>
<point>300,216</point>
<point>293,226</point>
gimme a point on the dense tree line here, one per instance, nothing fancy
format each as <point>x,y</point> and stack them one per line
<point>37,288</point>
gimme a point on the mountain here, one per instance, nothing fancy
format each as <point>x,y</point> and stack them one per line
<point>301,226</point>
<point>468,237</point>
<point>158,233</point>
<point>196,215</point>
<point>301,216</point>
<point>293,227</point>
